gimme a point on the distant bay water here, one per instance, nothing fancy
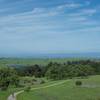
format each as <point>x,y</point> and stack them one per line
<point>69,55</point>
<point>56,55</point>
<point>64,55</point>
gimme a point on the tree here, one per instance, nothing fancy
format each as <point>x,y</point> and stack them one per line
<point>80,70</point>
<point>31,70</point>
<point>63,71</point>
<point>8,76</point>
<point>56,72</point>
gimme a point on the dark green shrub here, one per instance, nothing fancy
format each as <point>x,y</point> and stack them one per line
<point>28,88</point>
<point>42,82</point>
<point>4,88</point>
<point>78,83</point>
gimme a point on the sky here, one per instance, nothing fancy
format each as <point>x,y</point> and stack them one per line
<point>30,27</point>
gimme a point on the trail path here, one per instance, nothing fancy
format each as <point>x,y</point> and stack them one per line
<point>13,97</point>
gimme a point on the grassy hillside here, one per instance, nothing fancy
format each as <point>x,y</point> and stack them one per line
<point>4,94</point>
<point>90,90</point>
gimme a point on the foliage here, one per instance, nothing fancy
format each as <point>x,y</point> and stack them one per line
<point>8,76</point>
<point>33,70</point>
<point>62,70</point>
<point>42,81</point>
<point>27,89</point>
<point>59,71</point>
<point>78,83</point>
<point>56,72</point>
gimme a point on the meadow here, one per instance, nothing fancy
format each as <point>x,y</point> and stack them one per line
<point>32,61</point>
<point>4,94</point>
<point>90,90</point>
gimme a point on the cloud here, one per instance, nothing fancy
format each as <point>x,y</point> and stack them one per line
<point>89,11</point>
<point>84,13</point>
<point>38,10</point>
<point>78,19</point>
<point>70,6</point>
<point>57,9</point>
<point>71,25</point>
<point>79,10</point>
<point>87,3</point>
<point>48,20</point>
<point>4,10</point>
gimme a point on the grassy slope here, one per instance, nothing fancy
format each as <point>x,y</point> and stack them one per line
<point>5,94</point>
<point>66,91</point>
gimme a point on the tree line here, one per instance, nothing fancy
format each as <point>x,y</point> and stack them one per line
<point>53,70</point>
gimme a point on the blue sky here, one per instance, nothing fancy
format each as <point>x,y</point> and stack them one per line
<point>49,26</point>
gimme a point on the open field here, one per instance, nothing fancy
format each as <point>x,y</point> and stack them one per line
<point>32,61</point>
<point>90,90</point>
<point>4,94</point>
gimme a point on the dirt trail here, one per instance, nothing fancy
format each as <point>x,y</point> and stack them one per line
<point>13,97</point>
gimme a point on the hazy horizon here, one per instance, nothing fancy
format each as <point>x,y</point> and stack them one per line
<point>55,55</point>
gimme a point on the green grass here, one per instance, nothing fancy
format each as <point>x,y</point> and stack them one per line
<point>67,91</point>
<point>32,61</point>
<point>5,94</point>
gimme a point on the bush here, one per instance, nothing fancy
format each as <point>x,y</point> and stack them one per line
<point>4,88</point>
<point>78,83</point>
<point>27,89</point>
<point>42,82</point>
